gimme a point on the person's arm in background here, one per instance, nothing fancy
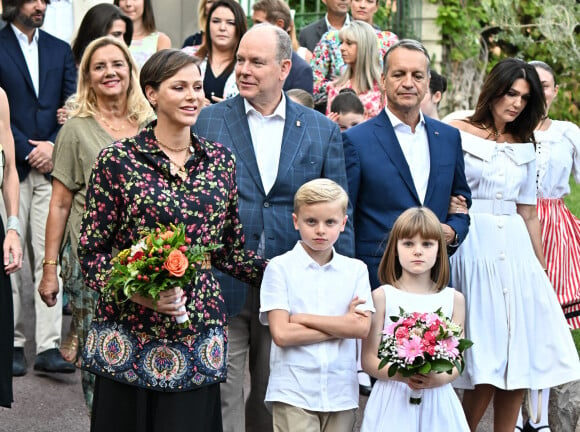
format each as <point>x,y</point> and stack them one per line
<point>12,248</point>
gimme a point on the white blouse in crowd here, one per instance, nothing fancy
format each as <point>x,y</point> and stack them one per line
<point>557,156</point>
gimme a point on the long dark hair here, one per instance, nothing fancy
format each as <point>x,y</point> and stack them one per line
<point>148,18</point>
<point>498,83</point>
<point>96,23</point>
<point>241,27</point>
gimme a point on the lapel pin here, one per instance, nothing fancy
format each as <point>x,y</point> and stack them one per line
<point>298,123</point>
<point>436,133</point>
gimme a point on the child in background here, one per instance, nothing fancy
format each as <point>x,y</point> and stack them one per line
<point>415,272</point>
<point>346,109</point>
<point>316,303</point>
<point>301,97</point>
<point>432,99</point>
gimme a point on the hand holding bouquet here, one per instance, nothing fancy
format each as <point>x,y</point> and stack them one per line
<point>159,260</point>
<point>420,343</point>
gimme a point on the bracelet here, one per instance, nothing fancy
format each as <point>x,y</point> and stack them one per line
<point>49,262</point>
<point>13,223</point>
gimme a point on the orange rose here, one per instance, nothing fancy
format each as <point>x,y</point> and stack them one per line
<point>166,235</point>
<point>176,263</point>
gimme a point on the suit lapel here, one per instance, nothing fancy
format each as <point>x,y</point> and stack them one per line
<point>237,124</point>
<point>387,138</point>
<point>294,127</point>
<point>15,52</point>
<point>433,138</point>
<point>43,61</point>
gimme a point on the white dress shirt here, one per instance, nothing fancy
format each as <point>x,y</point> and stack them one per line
<point>59,19</point>
<point>321,376</point>
<point>30,52</point>
<point>415,147</point>
<point>267,132</point>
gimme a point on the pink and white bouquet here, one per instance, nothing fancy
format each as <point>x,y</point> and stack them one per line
<point>418,342</point>
<point>160,259</point>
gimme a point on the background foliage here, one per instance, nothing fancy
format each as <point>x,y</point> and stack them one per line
<point>478,33</point>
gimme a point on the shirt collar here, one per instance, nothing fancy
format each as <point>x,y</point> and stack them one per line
<point>396,121</point>
<point>307,261</point>
<point>23,37</point>
<point>330,27</point>
<point>280,110</point>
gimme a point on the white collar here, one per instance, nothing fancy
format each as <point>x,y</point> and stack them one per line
<point>280,110</point>
<point>23,37</point>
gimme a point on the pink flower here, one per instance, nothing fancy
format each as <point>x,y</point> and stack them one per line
<point>402,333</point>
<point>410,349</point>
<point>449,345</point>
<point>409,322</point>
<point>390,329</point>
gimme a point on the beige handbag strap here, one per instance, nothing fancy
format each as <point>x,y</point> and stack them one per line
<point>538,417</point>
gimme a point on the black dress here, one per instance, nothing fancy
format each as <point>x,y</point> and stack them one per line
<point>6,333</point>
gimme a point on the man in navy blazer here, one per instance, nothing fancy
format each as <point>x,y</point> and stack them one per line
<point>336,17</point>
<point>401,159</point>
<point>38,73</point>
<point>279,145</point>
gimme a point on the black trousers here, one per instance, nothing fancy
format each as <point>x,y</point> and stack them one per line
<point>119,407</point>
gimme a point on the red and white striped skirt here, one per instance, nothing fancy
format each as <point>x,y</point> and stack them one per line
<point>561,243</point>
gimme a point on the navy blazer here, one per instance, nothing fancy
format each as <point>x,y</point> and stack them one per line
<point>311,148</point>
<point>300,76</point>
<point>381,186</point>
<point>31,116</point>
<point>310,35</point>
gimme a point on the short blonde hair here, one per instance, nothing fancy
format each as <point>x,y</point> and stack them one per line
<point>320,190</point>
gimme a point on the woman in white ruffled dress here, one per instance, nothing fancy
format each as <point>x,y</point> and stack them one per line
<point>557,157</point>
<point>520,336</point>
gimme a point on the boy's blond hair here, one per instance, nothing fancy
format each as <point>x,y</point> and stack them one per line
<point>320,190</point>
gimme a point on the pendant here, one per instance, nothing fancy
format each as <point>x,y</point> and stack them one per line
<point>177,171</point>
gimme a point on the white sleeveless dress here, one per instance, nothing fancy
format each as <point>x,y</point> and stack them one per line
<point>388,407</point>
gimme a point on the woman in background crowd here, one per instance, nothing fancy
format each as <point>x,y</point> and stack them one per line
<point>363,73</point>
<point>108,106</point>
<point>197,38</point>
<point>11,249</point>
<point>557,157</point>
<point>146,38</point>
<point>100,20</point>
<point>167,377</point>
<point>520,336</point>
<point>225,26</point>
<point>327,62</point>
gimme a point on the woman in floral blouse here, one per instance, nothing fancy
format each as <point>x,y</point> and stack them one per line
<point>153,375</point>
<point>359,52</point>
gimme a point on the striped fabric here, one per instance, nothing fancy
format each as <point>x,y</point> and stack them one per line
<point>561,242</point>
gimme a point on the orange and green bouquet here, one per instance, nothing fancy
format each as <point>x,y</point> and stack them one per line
<point>161,259</point>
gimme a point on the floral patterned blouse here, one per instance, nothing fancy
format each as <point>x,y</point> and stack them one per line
<point>372,100</point>
<point>327,63</point>
<point>131,187</point>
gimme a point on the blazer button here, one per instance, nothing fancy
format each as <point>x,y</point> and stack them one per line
<point>266,204</point>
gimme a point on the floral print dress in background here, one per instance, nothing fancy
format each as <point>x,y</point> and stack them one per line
<point>372,100</point>
<point>131,187</point>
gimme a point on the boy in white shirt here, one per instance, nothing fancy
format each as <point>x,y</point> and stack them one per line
<point>316,303</point>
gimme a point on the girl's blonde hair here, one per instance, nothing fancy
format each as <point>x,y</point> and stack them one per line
<point>422,221</point>
<point>367,70</point>
<point>84,102</point>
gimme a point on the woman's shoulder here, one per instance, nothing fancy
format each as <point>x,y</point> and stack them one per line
<point>214,148</point>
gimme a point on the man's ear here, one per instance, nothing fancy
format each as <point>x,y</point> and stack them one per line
<point>436,97</point>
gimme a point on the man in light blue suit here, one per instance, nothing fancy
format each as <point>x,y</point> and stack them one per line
<point>279,145</point>
<point>401,159</point>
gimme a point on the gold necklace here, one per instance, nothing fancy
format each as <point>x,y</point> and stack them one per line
<point>110,126</point>
<point>494,132</point>
<point>176,169</point>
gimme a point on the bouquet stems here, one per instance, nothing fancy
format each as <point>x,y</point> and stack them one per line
<point>416,397</point>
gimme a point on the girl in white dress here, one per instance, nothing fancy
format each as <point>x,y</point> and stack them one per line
<point>521,337</point>
<point>557,157</point>
<point>414,272</point>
